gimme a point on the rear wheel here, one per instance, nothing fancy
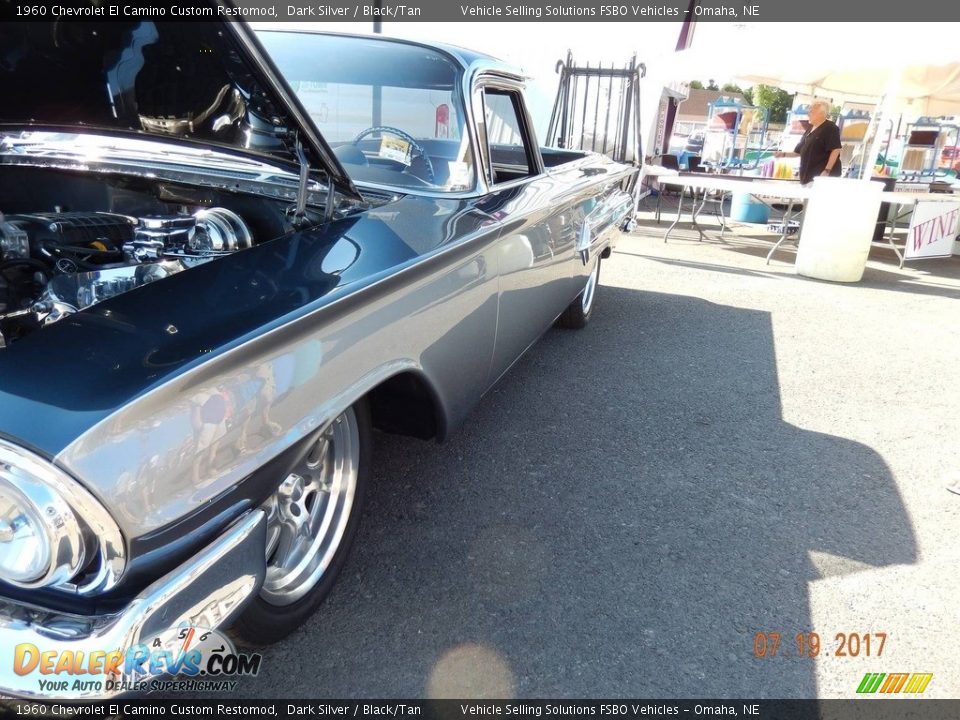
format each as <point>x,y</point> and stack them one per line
<point>578,313</point>
<point>312,521</point>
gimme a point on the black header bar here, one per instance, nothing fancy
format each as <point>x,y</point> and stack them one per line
<point>874,708</point>
<point>782,11</point>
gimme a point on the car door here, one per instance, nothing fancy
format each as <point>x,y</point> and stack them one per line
<point>536,250</point>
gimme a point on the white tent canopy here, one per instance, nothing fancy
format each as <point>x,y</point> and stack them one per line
<point>919,62</point>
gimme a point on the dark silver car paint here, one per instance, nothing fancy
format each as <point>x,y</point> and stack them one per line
<point>459,321</point>
<point>450,287</point>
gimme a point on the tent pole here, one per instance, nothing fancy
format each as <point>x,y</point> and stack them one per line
<point>884,110</point>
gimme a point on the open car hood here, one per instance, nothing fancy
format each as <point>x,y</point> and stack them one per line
<point>204,82</point>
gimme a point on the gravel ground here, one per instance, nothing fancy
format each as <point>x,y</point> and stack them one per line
<point>727,449</point>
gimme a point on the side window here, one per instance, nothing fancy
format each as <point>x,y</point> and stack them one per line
<point>511,157</point>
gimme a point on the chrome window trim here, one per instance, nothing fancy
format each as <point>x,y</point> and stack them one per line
<point>484,79</point>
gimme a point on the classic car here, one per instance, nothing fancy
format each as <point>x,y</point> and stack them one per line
<point>226,257</point>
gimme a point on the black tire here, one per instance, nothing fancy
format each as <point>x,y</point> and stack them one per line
<point>578,313</point>
<point>263,622</point>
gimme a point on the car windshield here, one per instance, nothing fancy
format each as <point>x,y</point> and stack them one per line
<point>391,111</point>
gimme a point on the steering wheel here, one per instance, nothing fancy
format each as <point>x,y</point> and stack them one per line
<point>417,147</point>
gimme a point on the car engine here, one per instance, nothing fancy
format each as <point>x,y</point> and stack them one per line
<point>53,264</point>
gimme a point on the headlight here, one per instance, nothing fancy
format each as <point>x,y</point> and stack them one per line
<point>24,548</point>
<point>52,531</point>
<point>41,542</point>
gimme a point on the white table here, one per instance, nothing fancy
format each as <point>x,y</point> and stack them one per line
<point>656,172</point>
<point>763,189</point>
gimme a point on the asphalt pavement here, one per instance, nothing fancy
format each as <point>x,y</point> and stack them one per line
<point>726,450</point>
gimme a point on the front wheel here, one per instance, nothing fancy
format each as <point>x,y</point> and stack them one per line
<point>578,313</point>
<point>312,520</point>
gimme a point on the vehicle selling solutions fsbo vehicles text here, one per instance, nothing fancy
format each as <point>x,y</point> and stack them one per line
<point>492,11</point>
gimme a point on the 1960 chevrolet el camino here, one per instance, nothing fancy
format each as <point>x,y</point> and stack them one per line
<point>206,305</point>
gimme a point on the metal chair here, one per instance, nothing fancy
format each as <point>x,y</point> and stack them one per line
<point>672,163</point>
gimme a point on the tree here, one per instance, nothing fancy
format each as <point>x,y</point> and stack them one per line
<point>734,88</point>
<point>696,85</point>
<point>777,102</point>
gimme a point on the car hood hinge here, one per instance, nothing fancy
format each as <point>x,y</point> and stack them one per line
<point>298,213</point>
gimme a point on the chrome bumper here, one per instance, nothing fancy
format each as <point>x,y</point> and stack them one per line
<point>208,591</point>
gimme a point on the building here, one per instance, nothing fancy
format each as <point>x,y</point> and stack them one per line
<point>692,112</point>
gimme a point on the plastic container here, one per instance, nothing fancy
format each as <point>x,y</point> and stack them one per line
<point>747,209</point>
<point>838,228</point>
<point>783,170</point>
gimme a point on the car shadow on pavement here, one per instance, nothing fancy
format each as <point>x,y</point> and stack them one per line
<point>619,518</point>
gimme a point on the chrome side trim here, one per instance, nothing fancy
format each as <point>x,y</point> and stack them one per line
<point>207,591</point>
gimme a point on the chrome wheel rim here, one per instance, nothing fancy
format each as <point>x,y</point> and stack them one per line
<point>308,515</point>
<point>590,289</point>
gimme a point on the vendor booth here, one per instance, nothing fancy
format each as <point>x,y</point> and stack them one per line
<point>858,131</point>
<point>734,130</point>
<point>798,122</point>
<point>925,141</point>
<point>882,97</point>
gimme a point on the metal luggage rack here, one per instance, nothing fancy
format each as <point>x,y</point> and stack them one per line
<point>597,109</point>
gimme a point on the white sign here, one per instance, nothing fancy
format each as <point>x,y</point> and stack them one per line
<point>658,143</point>
<point>933,227</point>
<point>395,148</point>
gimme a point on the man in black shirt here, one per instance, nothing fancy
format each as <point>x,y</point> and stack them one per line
<point>819,149</point>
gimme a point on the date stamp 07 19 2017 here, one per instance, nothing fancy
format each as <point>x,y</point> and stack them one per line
<point>809,644</point>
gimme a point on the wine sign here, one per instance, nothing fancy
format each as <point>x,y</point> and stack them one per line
<point>933,227</point>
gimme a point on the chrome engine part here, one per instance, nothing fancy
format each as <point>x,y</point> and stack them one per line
<point>208,231</point>
<point>158,234</point>
<point>81,290</point>
<point>56,264</point>
<point>222,231</point>
<point>14,242</point>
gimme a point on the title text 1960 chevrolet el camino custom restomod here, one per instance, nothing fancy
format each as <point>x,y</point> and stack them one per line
<point>224,260</point>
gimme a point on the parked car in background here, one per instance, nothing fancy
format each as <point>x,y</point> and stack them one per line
<point>677,144</point>
<point>694,145</point>
<point>226,260</point>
